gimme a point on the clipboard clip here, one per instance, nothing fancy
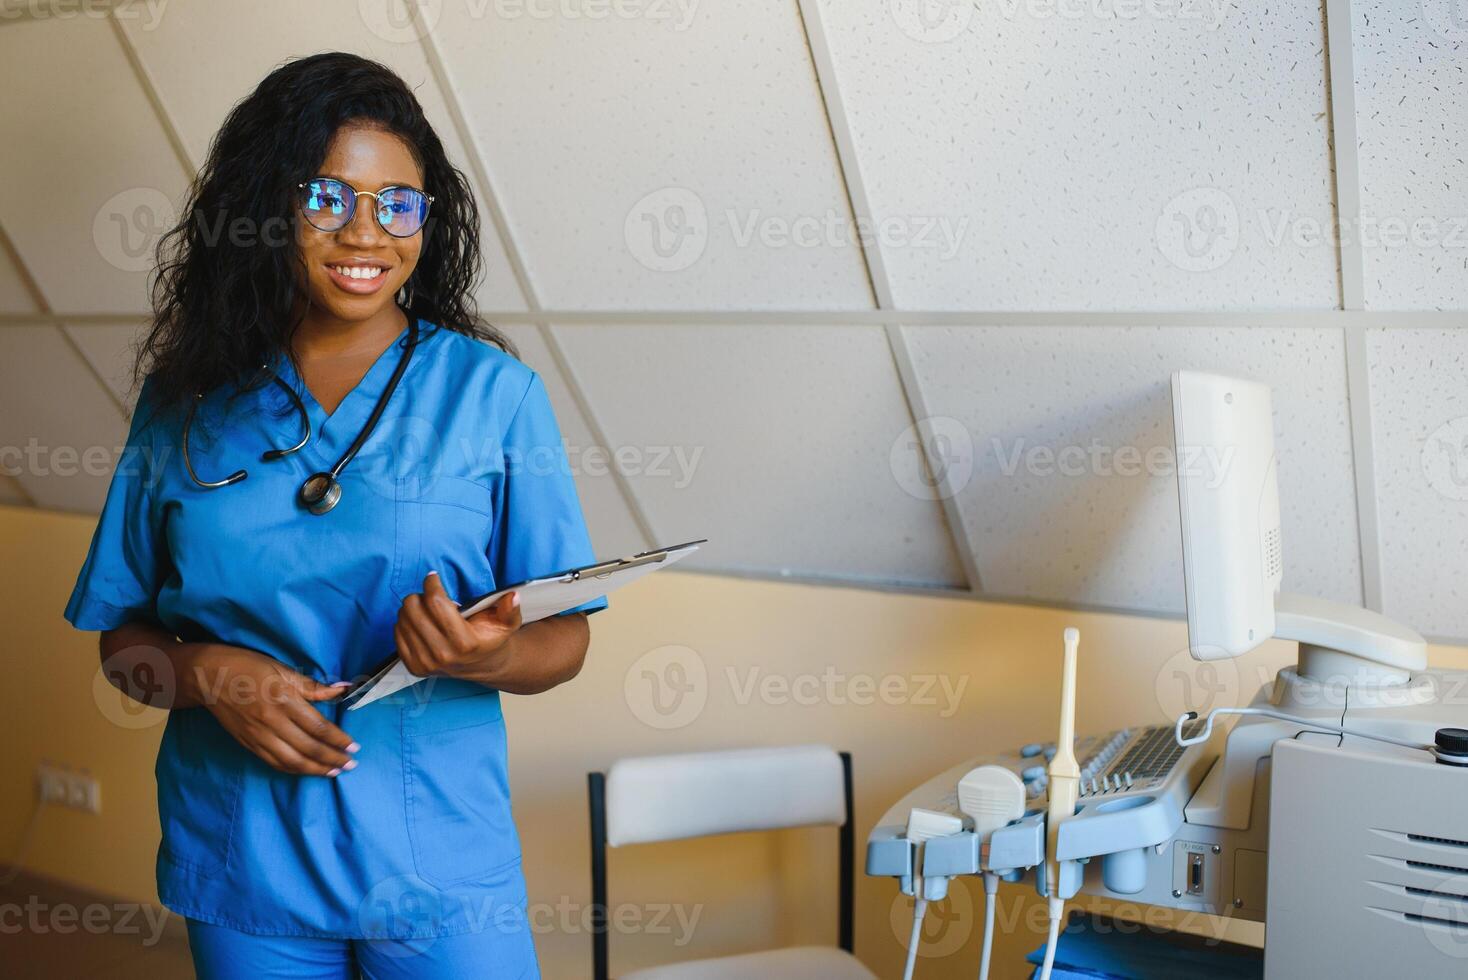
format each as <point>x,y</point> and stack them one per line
<point>603,569</point>
<point>359,695</point>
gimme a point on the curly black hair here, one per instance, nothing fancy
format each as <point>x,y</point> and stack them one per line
<point>223,299</point>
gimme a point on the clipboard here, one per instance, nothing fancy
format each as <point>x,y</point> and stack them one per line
<point>540,598</point>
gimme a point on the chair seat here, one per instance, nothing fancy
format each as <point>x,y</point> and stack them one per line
<point>795,963</point>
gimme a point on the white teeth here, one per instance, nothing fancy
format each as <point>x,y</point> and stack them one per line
<point>359,271</point>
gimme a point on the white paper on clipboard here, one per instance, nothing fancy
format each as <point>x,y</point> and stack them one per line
<point>539,598</point>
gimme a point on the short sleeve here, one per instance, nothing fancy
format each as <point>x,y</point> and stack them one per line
<point>539,528</point>
<point>127,563</point>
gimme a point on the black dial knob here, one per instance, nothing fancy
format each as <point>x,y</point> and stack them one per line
<point>1452,746</point>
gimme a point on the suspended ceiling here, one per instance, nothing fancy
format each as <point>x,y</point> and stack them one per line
<point>786,261</point>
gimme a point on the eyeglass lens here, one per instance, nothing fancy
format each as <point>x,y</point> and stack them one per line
<point>329,205</point>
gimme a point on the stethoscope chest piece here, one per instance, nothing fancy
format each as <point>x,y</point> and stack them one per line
<point>320,493</point>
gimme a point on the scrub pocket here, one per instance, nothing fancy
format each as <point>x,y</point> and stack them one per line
<point>442,524</point>
<point>457,789</point>
<point>200,771</point>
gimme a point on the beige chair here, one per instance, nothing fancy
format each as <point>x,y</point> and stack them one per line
<point>698,794</point>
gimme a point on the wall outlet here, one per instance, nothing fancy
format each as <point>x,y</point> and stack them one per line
<point>75,790</point>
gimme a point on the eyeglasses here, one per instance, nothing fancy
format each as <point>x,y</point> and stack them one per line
<point>329,204</point>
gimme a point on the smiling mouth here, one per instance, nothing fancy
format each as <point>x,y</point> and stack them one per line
<point>361,273</point>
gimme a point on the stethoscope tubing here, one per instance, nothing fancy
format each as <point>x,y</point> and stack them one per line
<point>320,491</point>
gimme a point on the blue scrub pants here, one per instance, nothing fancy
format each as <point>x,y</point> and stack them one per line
<point>221,953</point>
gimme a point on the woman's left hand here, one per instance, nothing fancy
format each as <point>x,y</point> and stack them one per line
<point>433,638</point>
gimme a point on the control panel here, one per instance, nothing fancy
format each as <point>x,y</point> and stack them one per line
<point>1134,786</point>
<point>1124,761</point>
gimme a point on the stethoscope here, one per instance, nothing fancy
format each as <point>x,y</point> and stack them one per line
<point>321,491</point>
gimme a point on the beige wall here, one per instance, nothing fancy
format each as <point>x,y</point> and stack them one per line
<point>999,664</point>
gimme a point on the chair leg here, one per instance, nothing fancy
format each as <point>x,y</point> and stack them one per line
<point>597,801</point>
<point>845,927</point>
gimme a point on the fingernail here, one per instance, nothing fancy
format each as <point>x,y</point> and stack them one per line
<point>334,772</point>
<point>433,573</point>
<point>353,747</point>
<point>350,765</point>
<point>514,599</point>
<point>342,684</point>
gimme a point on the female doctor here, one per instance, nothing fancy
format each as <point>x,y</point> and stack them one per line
<point>328,449</point>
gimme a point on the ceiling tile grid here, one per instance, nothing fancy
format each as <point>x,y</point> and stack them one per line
<point>660,163</point>
<point>109,349</point>
<point>94,182</point>
<point>790,448</point>
<point>60,430</point>
<point>1411,63</point>
<point>1073,496</point>
<point>199,80</point>
<point>1419,411</point>
<point>614,529</point>
<point>1065,160</point>
<point>15,294</point>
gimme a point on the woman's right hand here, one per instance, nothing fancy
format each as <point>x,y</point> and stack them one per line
<point>267,707</point>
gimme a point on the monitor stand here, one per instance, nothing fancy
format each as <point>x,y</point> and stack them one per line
<point>1346,647</point>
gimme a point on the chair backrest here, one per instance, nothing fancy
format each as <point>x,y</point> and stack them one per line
<point>697,794</point>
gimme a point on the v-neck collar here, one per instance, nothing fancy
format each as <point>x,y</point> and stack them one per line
<point>331,433</point>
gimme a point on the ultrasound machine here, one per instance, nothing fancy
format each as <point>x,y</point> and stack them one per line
<point>1333,808</point>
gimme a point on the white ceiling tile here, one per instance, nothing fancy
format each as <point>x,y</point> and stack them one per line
<point>15,297</point>
<point>787,447</point>
<point>61,429</point>
<point>1412,130</point>
<point>1067,501</point>
<point>1061,156</point>
<point>613,529</point>
<point>1419,414</point>
<point>93,184</point>
<point>672,156</point>
<point>108,349</point>
<point>199,79</point>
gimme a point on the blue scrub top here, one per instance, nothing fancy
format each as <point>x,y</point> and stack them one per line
<point>465,474</point>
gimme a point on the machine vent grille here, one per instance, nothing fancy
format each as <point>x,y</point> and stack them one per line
<point>1441,896</point>
<point>1273,563</point>
<point>1429,866</point>
<point>1457,927</point>
<point>1437,840</point>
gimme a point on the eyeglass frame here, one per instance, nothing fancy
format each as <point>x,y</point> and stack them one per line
<point>301,186</point>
